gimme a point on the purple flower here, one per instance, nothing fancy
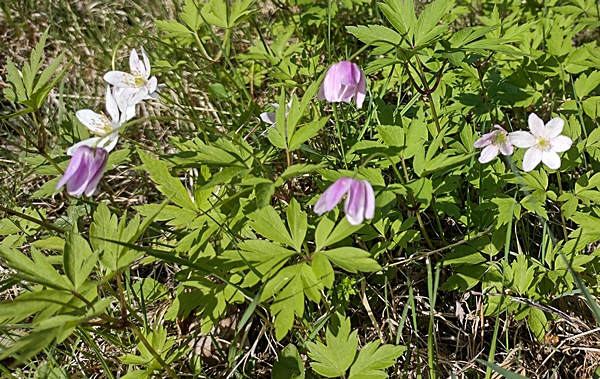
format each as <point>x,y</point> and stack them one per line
<point>360,202</point>
<point>343,81</point>
<point>84,171</point>
<point>493,142</point>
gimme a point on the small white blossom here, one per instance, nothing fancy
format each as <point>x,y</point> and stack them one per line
<point>136,85</point>
<point>543,143</point>
<point>105,129</point>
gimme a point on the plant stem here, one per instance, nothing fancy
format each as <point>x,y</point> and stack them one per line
<point>562,216</point>
<point>429,98</point>
<point>339,133</point>
<point>146,344</point>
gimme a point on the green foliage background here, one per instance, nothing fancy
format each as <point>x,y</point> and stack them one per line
<point>209,219</point>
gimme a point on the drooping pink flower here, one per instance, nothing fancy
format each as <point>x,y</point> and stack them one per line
<point>360,202</point>
<point>494,142</point>
<point>84,171</point>
<point>344,81</point>
<point>543,143</point>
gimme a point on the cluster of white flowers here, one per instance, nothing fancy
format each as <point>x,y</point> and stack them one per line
<point>87,166</point>
<point>543,143</point>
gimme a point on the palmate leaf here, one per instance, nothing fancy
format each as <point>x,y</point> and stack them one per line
<point>289,364</point>
<point>372,359</point>
<point>266,221</point>
<point>332,360</point>
<point>169,186</point>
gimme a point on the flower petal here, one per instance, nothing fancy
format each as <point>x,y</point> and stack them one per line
<point>77,183</point>
<point>551,159</point>
<point>361,90</point>
<point>331,87</point>
<point>71,168</point>
<point>536,125</point>
<point>369,200</point>
<point>332,195</point>
<point>146,64</point>
<point>111,105</point>
<point>355,203</point>
<point>268,117</point>
<point>135,65</point>
<point>506,148</point>
<point>120,79</point>
<point>96,171</point>
<point>90,142</point>
<point>561,143</point>
<point>489,153</point>
<point>485,140</point>
<point>152,85</point>
<point>95,122</point>
<point>532,158</point>
<point>554,127</point>
<point>348,73</point>
<point>521,139</point>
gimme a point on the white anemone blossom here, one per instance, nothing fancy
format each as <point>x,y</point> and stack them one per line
<point>543,143</point>
<point>136,85</point>
<point>106,130</point>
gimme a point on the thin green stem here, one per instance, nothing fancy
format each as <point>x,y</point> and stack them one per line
<point>562,215</point>
<point>339,133</point>
<point>429,98</point>
<point>146,344</point>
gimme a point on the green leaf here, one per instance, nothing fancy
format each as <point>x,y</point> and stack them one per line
<point>31,344</point>
<point>264,192</point>
<point>507,209</point>
<point>289,364</point>
<point>538,323</point>
<point>322,269</point>
<point>103,228</point>
<point>266,221</point>
<point>276,138</point>
<point>392,135</point>
<point>37,271</point>
<point>169,186</point>
<point>306,132</point>
<point>222,176</point>
<point>332,360</point>
<point>77,251</point>
<point>426,27</point>
<point>372,359</point>
<point>586,84</point>
<point>376,35</point>
<point>215,13</point>
<point>422,190</point>
<point>190,15</point>
<point>502,371</point>
<point>289,299</point>
<point>352,259</point>
<point>297,222</point>
<point>300,169</point>
<point>343,229</point>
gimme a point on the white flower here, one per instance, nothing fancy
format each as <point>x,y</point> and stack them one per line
<point>106,131</point>
<point>543,143</point>
<point>137,85</point>
<point>270,117</point>
<point>494,142</point>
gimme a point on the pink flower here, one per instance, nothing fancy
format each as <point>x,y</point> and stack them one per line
<point>84,171</point>
<point>360,202</point>
<point>343,81</point>
<point>494,142</point>
<point>543,143</point>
